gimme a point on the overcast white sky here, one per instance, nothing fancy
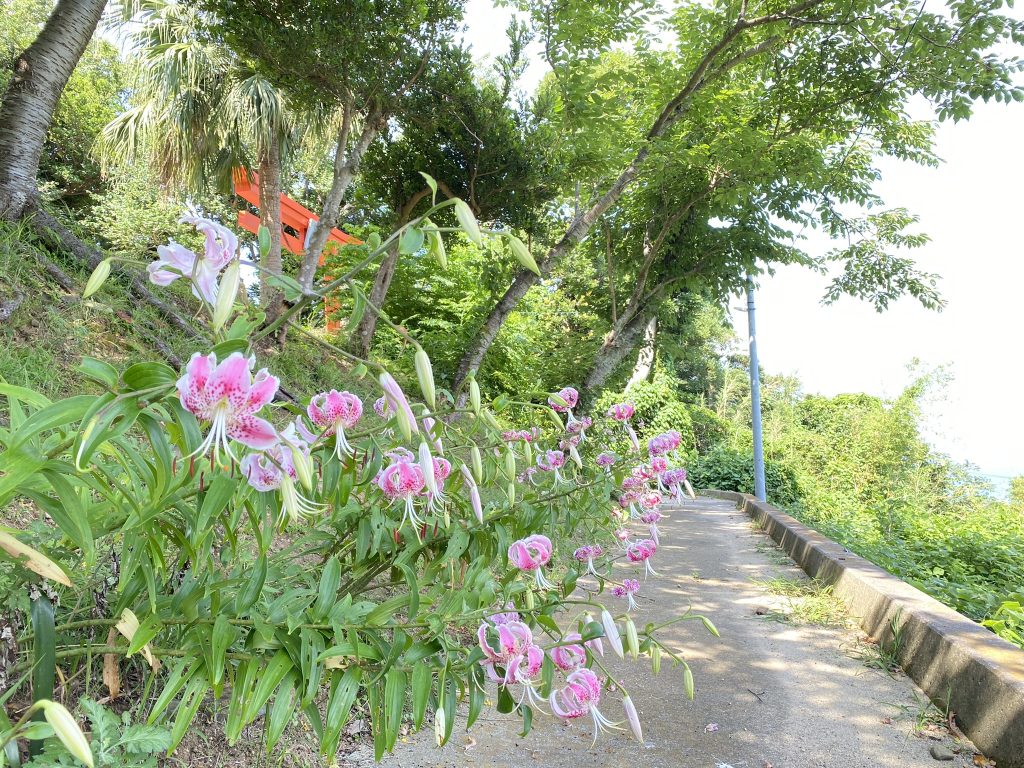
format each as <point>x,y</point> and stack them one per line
<point>972,207</point>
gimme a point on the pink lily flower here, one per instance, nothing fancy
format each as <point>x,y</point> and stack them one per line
<point>570,397</point>
<point>382,407</point>
<point>552,461</point>
<point>588,553</point>
<point>652,518</point>
<point>628,589</point>
<point>651,500</point>
<point>628,501</point>
<point>641,552</point>
<point>532,554</point>
<point>334,412</point>
<point>664,443</point>
<point>228,396</point>
<point>621,412</point>
<point>403,480</point>
<point>175,260</point>
<point>571,655</point>
<point>580,697</point>
<point>606,460</point>
<point>274,469</point>
<point>510,655</point>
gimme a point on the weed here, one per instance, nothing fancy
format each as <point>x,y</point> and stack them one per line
<point>882,655</point>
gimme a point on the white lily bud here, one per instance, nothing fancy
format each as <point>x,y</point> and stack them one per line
<point>611,631</point>
<point>226,294</point>
<point>425,374</point>
<point>427,466</point>
<point>632,717</point>
<point>439,725</point>
<point>468,222</point>
<point>66,729</point>
<point>97,278</point>
<point>522,254</point>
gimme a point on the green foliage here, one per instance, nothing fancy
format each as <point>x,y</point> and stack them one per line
<point>856,468</point>
<point>730,469</point>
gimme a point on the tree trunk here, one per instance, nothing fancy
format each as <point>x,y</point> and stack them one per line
<point>525,279</point>
<point>378,293</point>
<point>346,166</point>
<point>39,76</point>
<point>612,353</point>
<point>271,298</point>
<point>645,360</point>
<point>382,282</point>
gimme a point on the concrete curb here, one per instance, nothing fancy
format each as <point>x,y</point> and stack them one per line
<point>959,664</point>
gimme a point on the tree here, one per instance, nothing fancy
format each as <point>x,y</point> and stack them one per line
<point>459,129</point>
<point>39,74</point>
<point>359,65</point>
<point>200,113</point>
<point>846,60</point>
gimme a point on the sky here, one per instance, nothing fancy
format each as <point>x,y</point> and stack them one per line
<point>972,207</point>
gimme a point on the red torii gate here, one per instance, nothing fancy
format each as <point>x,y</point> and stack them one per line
<point>294,217</point>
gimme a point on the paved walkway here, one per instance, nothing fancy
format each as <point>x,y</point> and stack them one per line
<point>783,696</point>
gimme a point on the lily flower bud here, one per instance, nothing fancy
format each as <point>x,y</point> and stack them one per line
<point>632,717</point>
<point>303,466</point>
<point>632,641</point>
<point>478,463</point>
<point>97,278</point>
<point>226,295</point>
<point>425,375</point>
<point>427,466</point>
<point>66,729</point>
<point>611,631</point>
<point>468,222</point>
<point>439,725</point>
<point>510,464</point>
<point>474,397</point>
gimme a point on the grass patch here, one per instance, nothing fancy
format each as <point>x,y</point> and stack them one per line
<point>809,601</point>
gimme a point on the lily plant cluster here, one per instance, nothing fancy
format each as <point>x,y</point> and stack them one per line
<point>271,550</point>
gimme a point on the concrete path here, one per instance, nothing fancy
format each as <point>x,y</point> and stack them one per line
<point>782,695</point>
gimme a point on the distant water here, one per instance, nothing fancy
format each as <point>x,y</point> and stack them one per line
<point>1000,485</point>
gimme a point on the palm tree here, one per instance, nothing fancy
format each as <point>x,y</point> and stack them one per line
<point>199,114</point>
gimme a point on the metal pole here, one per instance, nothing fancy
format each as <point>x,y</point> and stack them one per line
<point>755,396</point>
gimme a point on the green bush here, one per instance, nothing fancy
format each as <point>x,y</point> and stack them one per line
<point>729,469</point>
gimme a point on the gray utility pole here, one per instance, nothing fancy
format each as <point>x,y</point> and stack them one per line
<point>755,395</point>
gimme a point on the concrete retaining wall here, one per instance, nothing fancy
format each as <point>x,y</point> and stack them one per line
<point>959,664</point>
